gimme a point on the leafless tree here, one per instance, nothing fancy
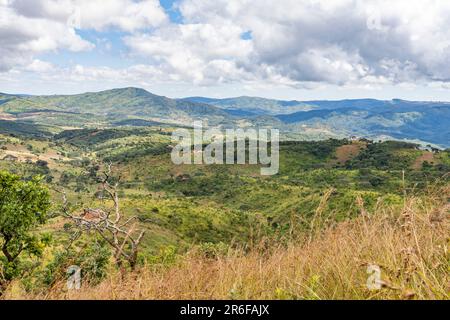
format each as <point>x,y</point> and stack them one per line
<point>121,233</point>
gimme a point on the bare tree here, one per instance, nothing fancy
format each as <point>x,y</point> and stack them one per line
<point>123,235</point>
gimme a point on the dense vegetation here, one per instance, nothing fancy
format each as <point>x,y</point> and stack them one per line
<point>206,211</point>
<point>23,206</point>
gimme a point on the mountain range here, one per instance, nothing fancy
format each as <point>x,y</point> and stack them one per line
<point>425,122</point>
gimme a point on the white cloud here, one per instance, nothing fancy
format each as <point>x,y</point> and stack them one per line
<point>127,15</point>
<point>201,53</point>
<point>22,37</point>
<point>32,27</point>
<point>293,43</point>
<point>39,66</point>
<point>136,74</point>
<point>337,42</point>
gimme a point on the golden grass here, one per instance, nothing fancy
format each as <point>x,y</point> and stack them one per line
<point>409,244</point>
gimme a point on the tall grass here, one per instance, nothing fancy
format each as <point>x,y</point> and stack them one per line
<point>408,243</point>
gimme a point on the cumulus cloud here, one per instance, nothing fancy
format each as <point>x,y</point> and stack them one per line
<point>336,42</point>
<point>296,43</point>
<point>201,53</point>
<point>39,66</point>
<point>31,27</point>
<point>127,15</point>
<point>21,37</point>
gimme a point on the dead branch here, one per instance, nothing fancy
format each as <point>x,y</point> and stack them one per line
<point>110,226</point>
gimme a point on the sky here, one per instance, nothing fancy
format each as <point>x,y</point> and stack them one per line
<point>284,49</point>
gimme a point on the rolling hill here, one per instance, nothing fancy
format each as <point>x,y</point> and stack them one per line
<point>395,119</point>
<point>103,108</point>
<point>422,122</point>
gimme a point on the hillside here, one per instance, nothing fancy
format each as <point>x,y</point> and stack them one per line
<point>225,218</point>
<point>324,265</point>
<point>106,107</point>
<point>254,105</point>
<point>224,154</point>
<point>187,193</point>
<point>396,119</point>
<point>424,122</point>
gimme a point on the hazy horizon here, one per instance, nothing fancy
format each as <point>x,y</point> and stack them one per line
<point>223,97</point>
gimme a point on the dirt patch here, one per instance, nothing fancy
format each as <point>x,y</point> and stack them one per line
<point>426,156</point>
<point>348,152</point>
<point>23,155</point>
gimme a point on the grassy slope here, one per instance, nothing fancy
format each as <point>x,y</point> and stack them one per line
<point>407,243</point>
<point>185,206</point>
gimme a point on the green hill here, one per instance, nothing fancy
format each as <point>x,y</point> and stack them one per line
<point>103,108</point>
<point>423,122</point>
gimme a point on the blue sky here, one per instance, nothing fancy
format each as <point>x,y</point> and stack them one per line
<point>172,10</point>
<point>306,49</point>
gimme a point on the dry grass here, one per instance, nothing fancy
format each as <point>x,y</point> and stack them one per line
<point>410,245</point>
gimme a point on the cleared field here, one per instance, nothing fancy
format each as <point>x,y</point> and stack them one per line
<point>425,157</point>
<point>348,152</point>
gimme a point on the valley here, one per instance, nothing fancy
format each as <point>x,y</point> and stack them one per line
<point>205,216</point>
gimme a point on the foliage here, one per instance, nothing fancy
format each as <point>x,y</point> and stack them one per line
<point>385,156</point>
<point>209,212</point>
<point>93,258</point>
<point>23,206</point>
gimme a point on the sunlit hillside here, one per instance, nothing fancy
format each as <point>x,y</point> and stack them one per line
<point>309,232</point>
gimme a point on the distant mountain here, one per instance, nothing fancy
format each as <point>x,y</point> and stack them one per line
<point>399,119</point>
<point>428,122</point>
<point>254,105</point>
<point>110,106</point>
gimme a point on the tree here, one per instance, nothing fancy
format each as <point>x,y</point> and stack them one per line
<point>121,233</point>
<point>23,206</point>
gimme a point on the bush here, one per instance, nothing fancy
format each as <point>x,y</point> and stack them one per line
<point>213,250</point>
<point>93,259</point>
